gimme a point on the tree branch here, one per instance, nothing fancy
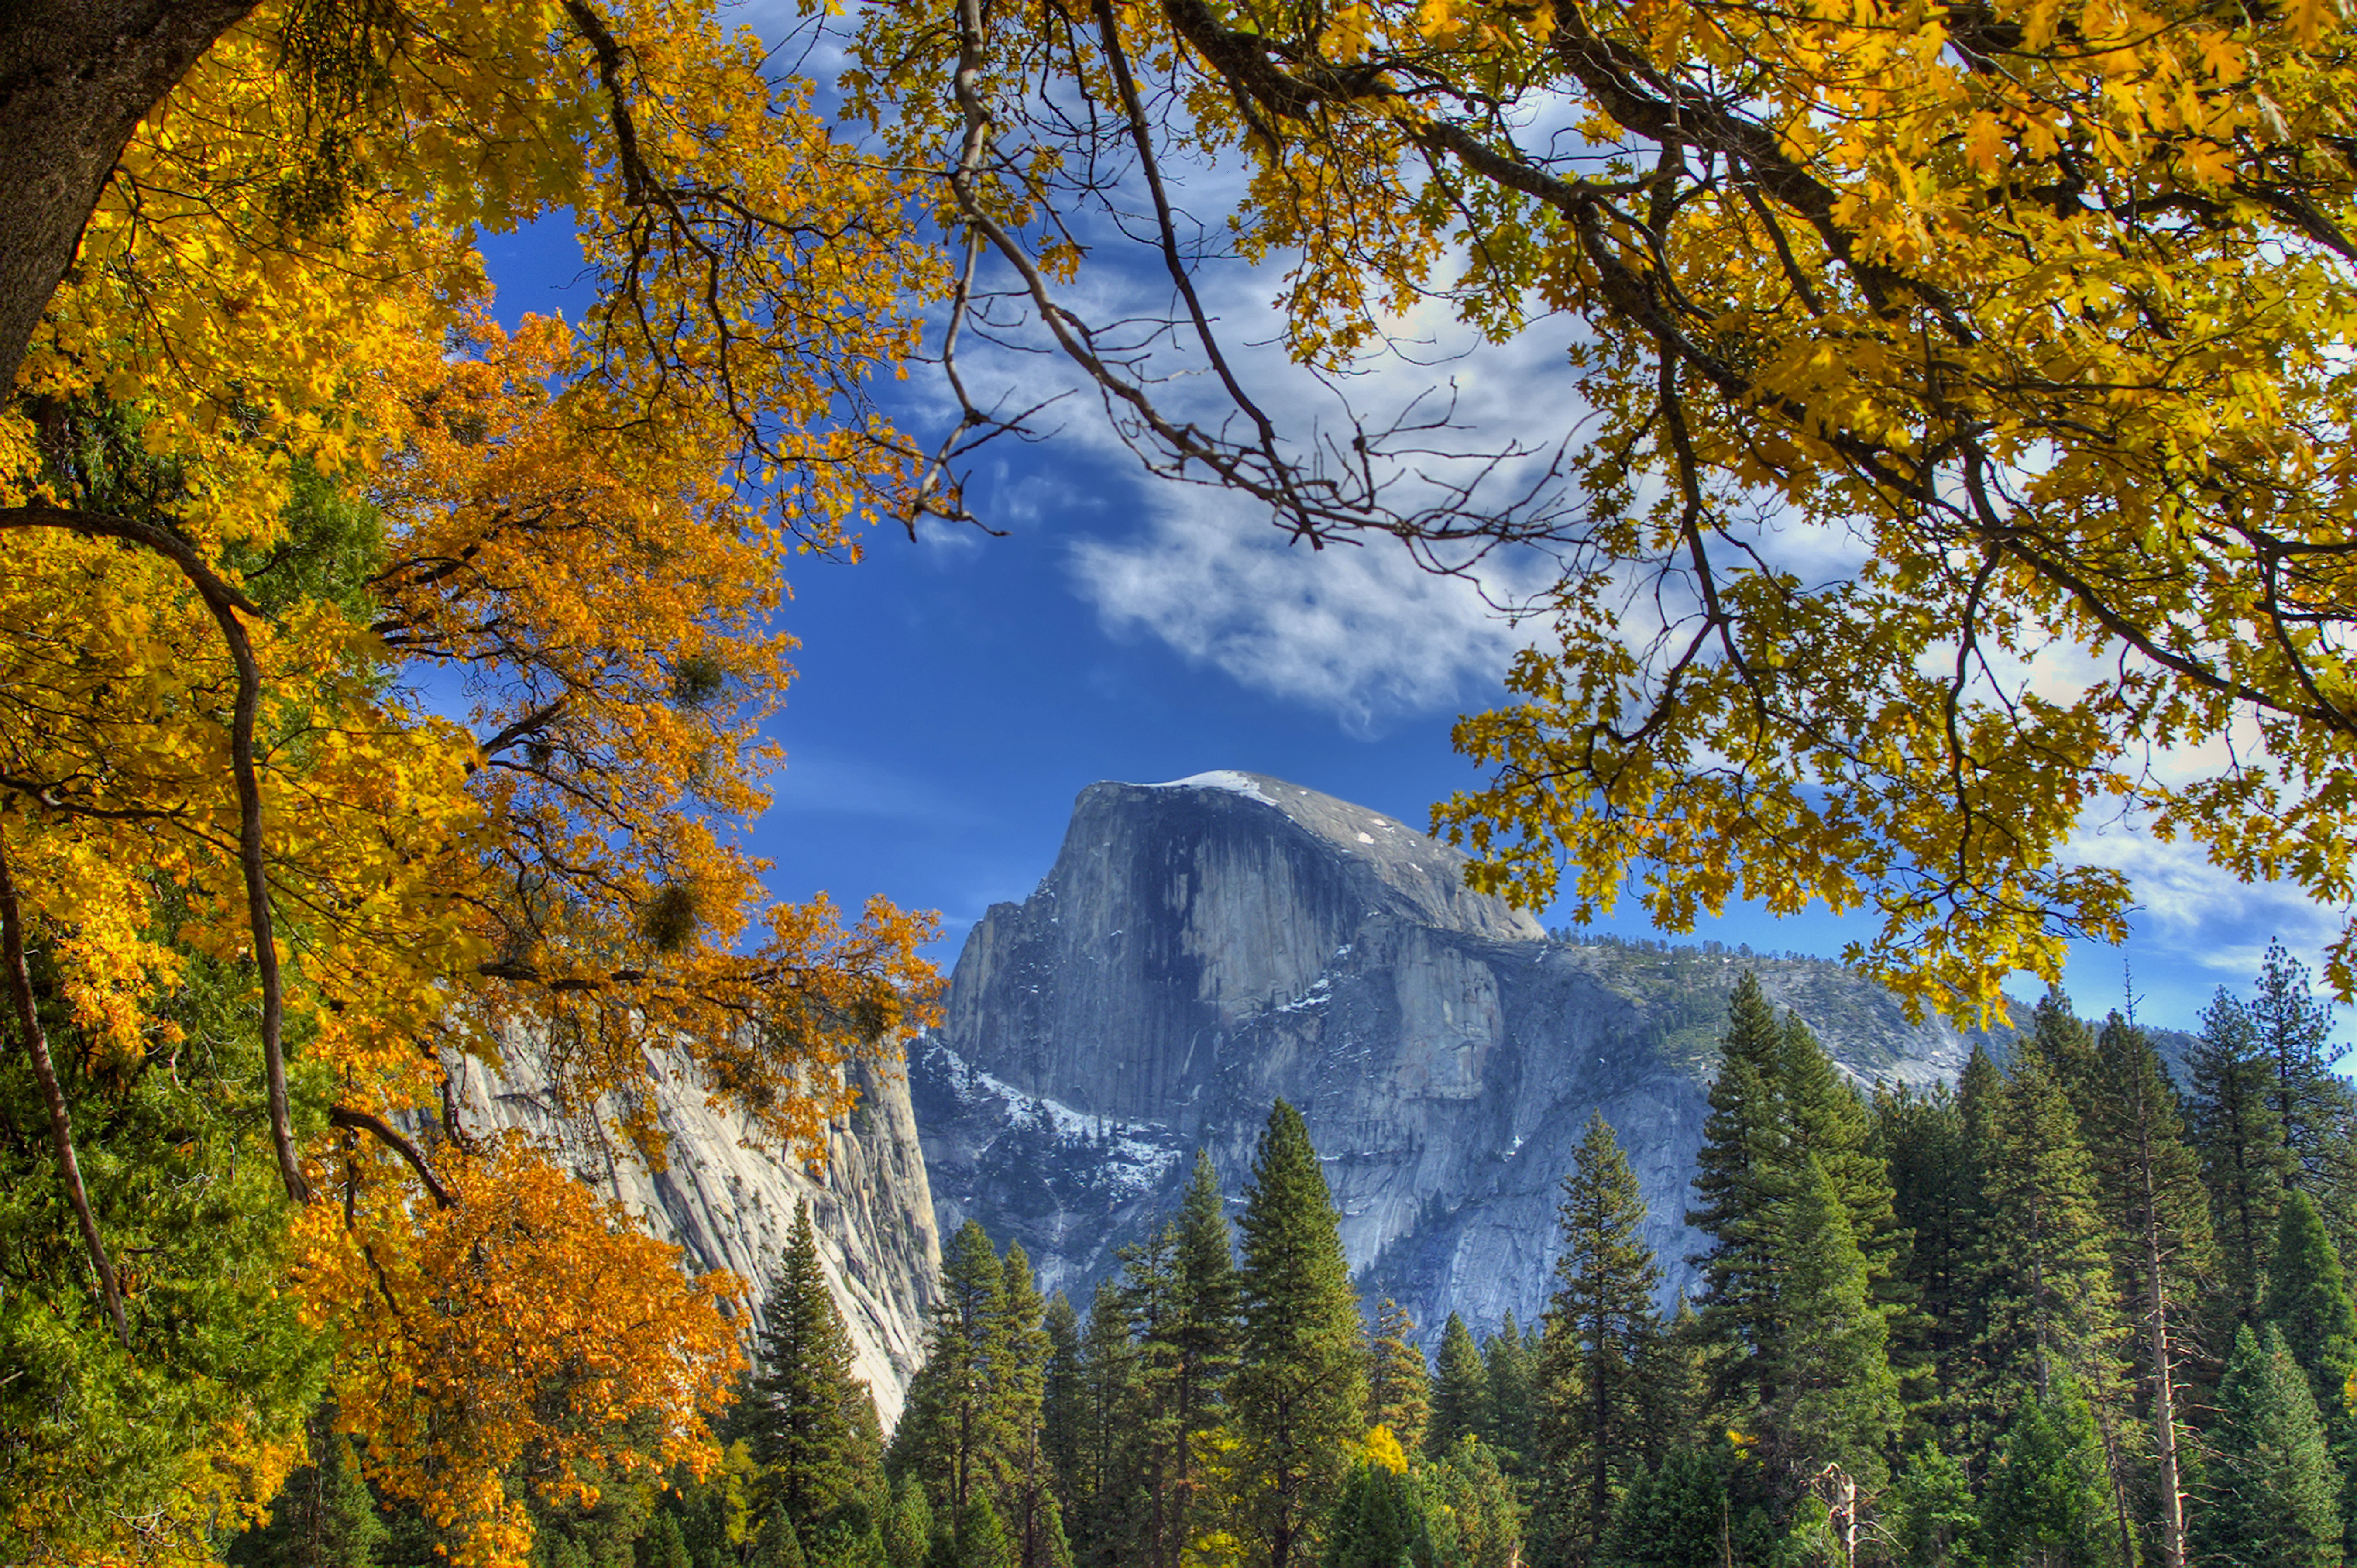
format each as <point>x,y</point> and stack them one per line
<point>384,1132</point>
<point>37,1045</point>
<point>226,604</point>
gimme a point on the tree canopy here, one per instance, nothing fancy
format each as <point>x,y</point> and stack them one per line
<point>1951,439</point>
<point>381,688</point>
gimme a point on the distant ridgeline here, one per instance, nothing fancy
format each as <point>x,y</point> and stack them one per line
<point>1204,948</point>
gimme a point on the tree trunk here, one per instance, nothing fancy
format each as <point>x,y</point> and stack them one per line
<point>76,78</point>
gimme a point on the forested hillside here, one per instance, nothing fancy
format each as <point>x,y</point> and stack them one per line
<point>2061,1313</point>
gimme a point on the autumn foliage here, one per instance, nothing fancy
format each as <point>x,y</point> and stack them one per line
<point>1953,455</point>
<point>382,688</point>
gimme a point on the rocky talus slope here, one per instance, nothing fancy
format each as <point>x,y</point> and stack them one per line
<point>730,1202</point>
<point>1202,948</point>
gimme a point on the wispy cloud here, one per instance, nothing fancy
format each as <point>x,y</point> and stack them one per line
<point>818,781</point>
<point>1359,631</point>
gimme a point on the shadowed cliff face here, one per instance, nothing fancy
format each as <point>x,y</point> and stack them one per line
<point>1202,948</point>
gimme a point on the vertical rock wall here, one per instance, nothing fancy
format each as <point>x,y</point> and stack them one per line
<point>729,1202</point>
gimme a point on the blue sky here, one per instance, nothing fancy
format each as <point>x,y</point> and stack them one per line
<point>955,694</point>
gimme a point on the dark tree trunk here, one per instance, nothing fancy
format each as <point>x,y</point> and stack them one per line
<point>76,77</point>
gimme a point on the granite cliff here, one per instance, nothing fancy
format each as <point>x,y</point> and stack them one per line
<point>730,1202</point>
<point>1202,948</point>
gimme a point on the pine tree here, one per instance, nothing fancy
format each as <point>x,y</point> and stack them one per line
<point>953,1432</point>
<point>2293,1031</point>
<point>1778,1104</point>
<point>908,1525</point>
<point>2053,1308</point>
<point>1601,1334</point>
<point>1300,1391</point>
<point>2149,1186</point>
<point>1510,1371</point>
<point>1931,1517</point>
<point>1936,1200</point>
<point>1105,1516</point>
<point>1825,1120</point>
<point>2308,1302</point>
<point>1737,1183</point>
<point>1471,1517</point>
<point>1461,1390</point>
<point>982,1540</point>
<point>1399,1391</point>
<point>1836,1399</point>
<point>2049,1499</point>
<point>1026,1485</point>
<point>323,1516</point>
<point>1378,1520</point>
<point>1204,1333</point>
<point>1063,1402</point>
<point>802,1415</point>
<point>2276,1496</point>
<point>1151,1428</point>
<point>662,1545</point>
<point>2240,1140</point>
<point>1674,1516</point>
<point>775,1543</point>
<point>2046,1268</point>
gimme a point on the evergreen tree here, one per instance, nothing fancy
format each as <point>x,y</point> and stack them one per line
<point>1104,1513</point>
<point>1026,1493</point>
<point>2293,1031</point>
<point>323,1516</point>
<point>1300,1391</point>
<point>1151,1429</point>
<point>1836,1399</point>
<point>2276,1503</point>
<point>1737,1182</point>
<point>1936,1200</point>
<point>953,1433</point>
<point>1063,1402</point>
<point>982,1540</point>
<point>1471,1517</point>
<point>2049,1500</point>
<point>807,1419</point>
<point>908,1525</point>
<point>2053,1310</point>
<point>1777,1104</point>
<point>1399,1391</point>
<point>2308,1301</point>
<point>775,1544</point>
<point>1595,1418</point>
<point>1461,1390</point>
<point>1378,1520</point>
<point>2241,1143</point>
<point>1675,1516</point>
<point>1510,1371</point>
<point>1825,1120</point>
<point>1931,1517</point>
<point>2148,1183</point>
<point>2045,1266</point>
<point>662,1545</point>
<point>1204,1333</point>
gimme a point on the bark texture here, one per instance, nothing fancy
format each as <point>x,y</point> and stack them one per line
<point>76,78</point>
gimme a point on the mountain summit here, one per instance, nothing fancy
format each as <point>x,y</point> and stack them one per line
<point>1203,947</point>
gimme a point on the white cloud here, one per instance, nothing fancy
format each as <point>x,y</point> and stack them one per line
<point>1358,630</point>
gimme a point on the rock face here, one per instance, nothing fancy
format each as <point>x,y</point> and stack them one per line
<point>730,1203</point>
<point>1203,948</point>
